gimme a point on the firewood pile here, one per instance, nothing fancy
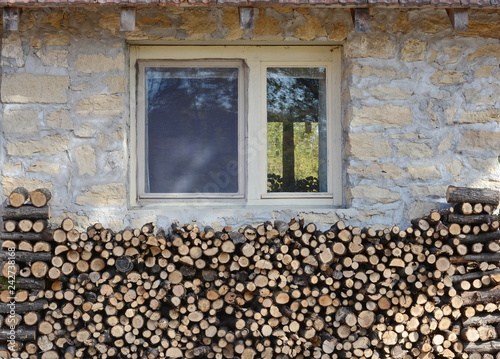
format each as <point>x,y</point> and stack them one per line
<point>273,290</point>
<point>25,260</point>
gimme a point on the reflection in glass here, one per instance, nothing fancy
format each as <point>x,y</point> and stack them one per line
<point>192,130</point>
<point>296,129</point>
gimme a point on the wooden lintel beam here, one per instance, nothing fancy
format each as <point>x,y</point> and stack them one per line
<point>459,19</point>
<point>247,15</point>
<point>361,19</point>
<point>11,18</point>
<point>127,19</point>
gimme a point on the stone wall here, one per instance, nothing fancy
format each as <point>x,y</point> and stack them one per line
<point>421,106</point>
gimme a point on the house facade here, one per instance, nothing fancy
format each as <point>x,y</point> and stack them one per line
<point>390,103</point>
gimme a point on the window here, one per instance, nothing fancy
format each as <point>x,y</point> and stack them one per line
<point>246,125</point>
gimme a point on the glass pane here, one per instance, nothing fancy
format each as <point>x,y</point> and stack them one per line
<point>192,130</point>
<point>296,129</point>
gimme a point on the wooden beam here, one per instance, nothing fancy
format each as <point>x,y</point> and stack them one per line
<point>361,19</point>
<point>127,19</point>
<point>459,19</point>
<point>247,15</point>
<point>11,18</point>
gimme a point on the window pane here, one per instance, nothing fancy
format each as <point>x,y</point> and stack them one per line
<point>192,130</point>
<point>296,129</point>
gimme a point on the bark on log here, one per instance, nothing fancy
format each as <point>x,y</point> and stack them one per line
<point>16,236</point>
<point>26,257</point>
<point>23,307</point>
<point>22,334</point>
<point>486,347</point>
<point>473,275</point>
<point>479,238</point>
<point>470,219</point>
<point>481,257</point>
<point>472,195</point>
<point>476,297</point>
<point>27,211</point>
<point>481,320</point>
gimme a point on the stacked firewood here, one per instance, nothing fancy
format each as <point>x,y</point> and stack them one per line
<point>273,290</point>
<point>476,266</point>
<point>25,259</point>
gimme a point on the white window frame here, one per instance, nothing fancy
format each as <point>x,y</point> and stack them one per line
<point>253,125</point>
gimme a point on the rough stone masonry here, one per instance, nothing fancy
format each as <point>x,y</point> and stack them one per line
<point>421,106</point>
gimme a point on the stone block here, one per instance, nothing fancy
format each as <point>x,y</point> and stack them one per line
<point>367,71</point>
<point>12,48</point>
<point>370,45</point>
<point>85,159</point>
<point>445,144</point>
<point>387,116</point>
<point>434,24</point>
<point>480,141</point>
<point>375,194</point>
<point>15,121</point>
<point>12,167</point>
<point>483,71</point>
<point>368,146</point>
<point>231,20</point>
<point>48,146</point>
<point>58,58</point>
<point>267,27</point>
<point>339,31</point>
<point>492,50</point>
<point>455,167</point>
<point>414,150</point>
<point>116,84</point>
<point>377,170</point>
<point>27,88</point>
<point>94,63</point>
<point>311,29</point>
<point>59,119</point>
<point>44,167</point>
<point>100,105</point>
<point>56,40</point>
<point>198,24</point>
<point>428,191</point>
<point>112,194</point>
<point>386,92</point>
<point>110,22</point>
<point>447,77</point>
<point>480,116</point>
<point>424,173</point>
<point>413,50</point>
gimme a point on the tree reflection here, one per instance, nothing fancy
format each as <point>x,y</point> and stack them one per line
<point>192,136</point>
<point>296,96</point>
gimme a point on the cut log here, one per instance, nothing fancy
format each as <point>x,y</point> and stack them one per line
<point>25,212</point>
<point>18,197</point>
<point>26,257</point>
<point>482,348</point>
<point>472,195</point>
<point>479,238</point>
<point>22,334</point>
<point>16,236</point>
<point>24,307</point>
<point>471,219</point>
<point>482,257</point>
<point>477,297</point>
<point>40,197</point>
